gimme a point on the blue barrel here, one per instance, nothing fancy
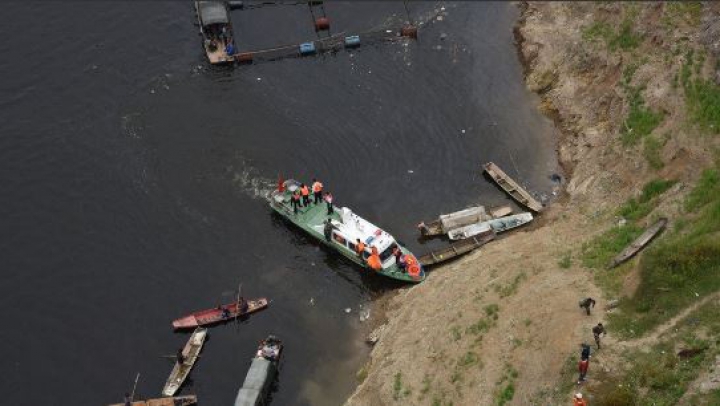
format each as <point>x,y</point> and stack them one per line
<point>352,41</point>
<point>307,48</point>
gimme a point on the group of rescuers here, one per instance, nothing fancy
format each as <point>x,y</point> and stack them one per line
<point>301,198</point>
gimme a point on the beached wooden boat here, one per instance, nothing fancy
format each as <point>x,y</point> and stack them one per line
<point>447,222</point>
<point>498,225</point>
<point>190,353</point>
<point>216,30</point>
<point>639,242</point>
<point>344,229</point>
<point>501,211</point>
<point>519,194</point>
<point>262,373</point>
<point>188,400</point>
<point>456,249</point>
<point>215,315</point>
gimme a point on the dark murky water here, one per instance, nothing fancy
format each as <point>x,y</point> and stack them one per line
<point>133,174</point>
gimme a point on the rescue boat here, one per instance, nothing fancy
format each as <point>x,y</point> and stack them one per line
<point>347,228</point>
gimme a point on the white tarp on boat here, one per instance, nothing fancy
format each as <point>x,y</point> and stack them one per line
<point>497,225</point>
<point>462,218</point>
<point>213,12</point>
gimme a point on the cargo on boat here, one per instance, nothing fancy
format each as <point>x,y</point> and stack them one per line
<point>342,232</point>
<point>457,249</point>
<point>188,400</point>
<point>216,31</point>
<point>639,243</point>
<point>181,370</point>
<point>221,313</point>
<point>262,373</point>
<point>498,225</point>
<point>447,222</point>
<point>519,194</point>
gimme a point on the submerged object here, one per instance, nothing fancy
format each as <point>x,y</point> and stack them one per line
<point>512,188</point>
<point>190,352</point>
<point>344,229</point>
<point>187,400</point>
<point>497,225</point>
<point>262,373</point>
<point>640,242</point>
<point>215,315</point>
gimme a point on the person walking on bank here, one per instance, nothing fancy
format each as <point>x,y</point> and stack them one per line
<point>597,330</point>
<point>587,303</point>
<point>583,368</point>
<point>295,201</point>
<point>305,192</point>
<point>328,200</point>
<point>579,401</point>
<point>585,352</point>
<point>317,190</point>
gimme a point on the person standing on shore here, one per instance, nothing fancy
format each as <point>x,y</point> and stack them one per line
<point>328,200</point>
<point>597,330</point>
<point>317,188</point>
<point>587,303</point>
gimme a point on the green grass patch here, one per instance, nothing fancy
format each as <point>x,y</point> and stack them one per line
<point>635,209</point>
<point>689,12</point>
<point>598,252</point>
<point>703,102</point>
<point>626,38</point>
<point>641,120</point>
<point>506,390</point>
<point>512,287</point>
<point>651,151</point>
<point>469,359</point>
<point>565,261</point>
<point>598,30</point>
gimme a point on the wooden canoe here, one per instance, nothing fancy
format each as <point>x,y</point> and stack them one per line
<point>498,225</point>
<point>456,249</point>
<point>511,187</point>
<point>214,315</point>
<point>639,243</point>
<point>188,400</point>
<point>181,371</point>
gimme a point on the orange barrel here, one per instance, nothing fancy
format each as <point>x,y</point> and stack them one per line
<point>244,57</point>
<point>409,31</point>
<point>322,24</point>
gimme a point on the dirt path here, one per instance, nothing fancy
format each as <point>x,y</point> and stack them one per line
<point>652,338</point>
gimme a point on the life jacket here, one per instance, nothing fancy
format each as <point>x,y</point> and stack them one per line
<point>317,187</point>
<point>413,268</point>
<point>374,262</point>
<point>305,191</point>
<point>374,250</point>
<point>360,248</point>
<point>580,402</point>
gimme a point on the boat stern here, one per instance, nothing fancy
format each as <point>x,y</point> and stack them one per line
<point>185,322</point>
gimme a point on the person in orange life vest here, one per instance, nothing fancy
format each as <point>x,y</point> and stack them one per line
<point>328,199</point>
<point>305,192</point>
<point>295,201</point>
<point>578,400</point>
<point>412,266</point>
<point>359,248</point>
<point>374,260</point>
<point>317,190</point>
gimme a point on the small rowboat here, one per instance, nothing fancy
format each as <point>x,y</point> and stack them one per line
<point>446,222</point>
<point>188,400</point>
<point>498,225</point>
<point>512,188</point>
<point>639,242</point>
<point>456,249</point>
<point>215,315</point>
<point>191,353</point>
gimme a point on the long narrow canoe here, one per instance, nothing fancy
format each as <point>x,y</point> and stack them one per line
<point>188,400</point>
<point>511,187</point>
<point>215,315</point>
<point>639,242</point>
<point>456,249</point>
<point>181,371</point>
<point>498,225</point>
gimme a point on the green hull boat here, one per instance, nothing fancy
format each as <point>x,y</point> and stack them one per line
<point>347,227</point>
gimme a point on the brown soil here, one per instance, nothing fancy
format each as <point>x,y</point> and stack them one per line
<point>439,346</point>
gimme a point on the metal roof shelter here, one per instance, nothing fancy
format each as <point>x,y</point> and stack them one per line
<point>213,12</point>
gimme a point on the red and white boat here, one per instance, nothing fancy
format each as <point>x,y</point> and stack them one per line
<point>221,314</point>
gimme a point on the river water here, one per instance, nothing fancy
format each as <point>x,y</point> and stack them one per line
<point>133,177</point>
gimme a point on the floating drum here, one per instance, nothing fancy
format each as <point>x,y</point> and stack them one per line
<point>322,24</point>
<point>244,57</point>
<point>409,31</point>
<point>352,41</point>
<point>307,48</point>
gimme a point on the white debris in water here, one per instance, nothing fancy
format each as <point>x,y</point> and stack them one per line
<point>312,263</point>
<point>259,79</point>
<point>364,315</point>
<point>442,8</point>
<point>439,18</point>
<point>411,171</point>
<point>462,131</point>
<point>312,301</point>
<point>152,91</point>
<point>348,310</point>
<point>388,31</point>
